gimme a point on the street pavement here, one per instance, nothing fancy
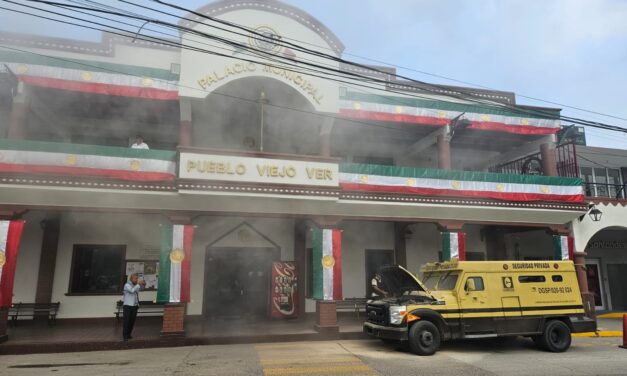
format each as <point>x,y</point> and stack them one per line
<point>587,356</point>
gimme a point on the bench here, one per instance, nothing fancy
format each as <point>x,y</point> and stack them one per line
<point>351,305</point>
<point>34,309</point>
<point>146,308</point>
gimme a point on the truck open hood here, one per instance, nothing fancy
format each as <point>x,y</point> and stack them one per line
<point>398,280</point>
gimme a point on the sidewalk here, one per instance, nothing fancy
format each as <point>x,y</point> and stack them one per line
<point>608,325</point>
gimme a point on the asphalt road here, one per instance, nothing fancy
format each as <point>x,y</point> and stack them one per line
<point>587,356</point>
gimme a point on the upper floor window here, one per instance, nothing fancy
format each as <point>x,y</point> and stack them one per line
<point>602,182</point>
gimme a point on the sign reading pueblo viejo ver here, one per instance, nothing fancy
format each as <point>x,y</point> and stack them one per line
<point>257,170</point>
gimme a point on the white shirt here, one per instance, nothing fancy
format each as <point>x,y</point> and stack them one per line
<point>131,296</point>
<point>143,145</point>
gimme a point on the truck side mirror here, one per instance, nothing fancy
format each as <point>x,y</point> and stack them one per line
<point>470,285</point>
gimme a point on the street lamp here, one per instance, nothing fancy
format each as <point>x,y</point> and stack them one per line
<point>594,213</point>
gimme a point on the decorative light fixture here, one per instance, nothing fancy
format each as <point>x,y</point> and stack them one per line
<point>594,213</point>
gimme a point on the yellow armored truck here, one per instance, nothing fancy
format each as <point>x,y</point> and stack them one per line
<point>479,299</point>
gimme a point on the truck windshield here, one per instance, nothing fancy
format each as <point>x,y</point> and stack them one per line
<point>440,281</point>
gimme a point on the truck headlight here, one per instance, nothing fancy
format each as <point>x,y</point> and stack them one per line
<point>397,313</point>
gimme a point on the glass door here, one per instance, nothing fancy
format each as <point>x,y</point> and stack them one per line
<point>595,286</point>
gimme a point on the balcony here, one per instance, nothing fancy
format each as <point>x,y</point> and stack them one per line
<point>24,160</point>
<point>47,163</point>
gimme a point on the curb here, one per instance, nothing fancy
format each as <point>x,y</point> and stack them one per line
<point>600,333</point>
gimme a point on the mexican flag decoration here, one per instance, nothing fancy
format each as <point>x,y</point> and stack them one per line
<point>174,263</point>
<point>10,235</point>
<point>327,264</point>
<point>453,246</point>
<point>564,247</point>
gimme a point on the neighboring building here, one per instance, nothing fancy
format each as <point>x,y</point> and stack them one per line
<point>604,175</point>
<point>255,156</point>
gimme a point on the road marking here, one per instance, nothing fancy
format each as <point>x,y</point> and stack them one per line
<point>322,358</point>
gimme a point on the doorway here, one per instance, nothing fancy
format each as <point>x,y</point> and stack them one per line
<point>617,276</point>
<point>593,274</point>
<point>237,281</point>
<point>376,258</point>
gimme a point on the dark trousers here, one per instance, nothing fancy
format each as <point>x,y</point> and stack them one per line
<point>130,313</point>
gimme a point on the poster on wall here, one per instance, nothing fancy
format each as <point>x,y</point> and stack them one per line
<point>146,270</point>
<point>284,290</point>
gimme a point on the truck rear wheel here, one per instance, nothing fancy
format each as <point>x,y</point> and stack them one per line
<point>555,338</point>
<point>424,338</point>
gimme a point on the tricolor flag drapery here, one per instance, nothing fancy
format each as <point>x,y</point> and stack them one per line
<point>564,247</point>
<point>453,246</point>
<point>174,263</point>
<point>10,235</point>
<point>327,264</point>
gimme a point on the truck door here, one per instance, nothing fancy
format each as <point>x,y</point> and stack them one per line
<point>476,314</point>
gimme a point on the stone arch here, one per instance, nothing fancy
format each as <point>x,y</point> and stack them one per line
<point>614,216</point>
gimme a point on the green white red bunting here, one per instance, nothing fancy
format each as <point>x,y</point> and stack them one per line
<point>92,76</point>
<point>327,264</point>
<point>175,263</point>
<point>434,112</point>
<point>434,182</point>
<point>48,158</point>
<point>10,235</point>
<point>564,247</point>
<point>453,246</point>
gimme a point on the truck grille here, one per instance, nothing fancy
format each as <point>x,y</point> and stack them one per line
<point>377,314</point>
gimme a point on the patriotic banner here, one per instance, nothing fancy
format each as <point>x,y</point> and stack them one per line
<point>51,158</point>
<point>453,246</point>
<point>10,235</point>
<point>175,263</point>
<point>92,76</point>
<point>435,182</point>
<point>564,247</point>
<point>433,112</point>
<point>327,264</point>
<point>284,292</point>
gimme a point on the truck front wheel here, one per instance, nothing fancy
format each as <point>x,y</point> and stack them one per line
<point>555,338</point>
<point>424,338</point>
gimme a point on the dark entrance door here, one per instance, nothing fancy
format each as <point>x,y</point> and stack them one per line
<point>376,258</point>
<point>617,274</point>
<point>237,281</point>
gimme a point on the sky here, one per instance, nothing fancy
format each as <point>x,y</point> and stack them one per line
<point>570,52</point>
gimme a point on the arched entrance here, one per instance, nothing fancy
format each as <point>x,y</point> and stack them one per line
<point>237,268</point>
<point>606,268</point>
<point>257,114</point>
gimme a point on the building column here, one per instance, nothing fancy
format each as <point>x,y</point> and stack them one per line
<point>327,275</point>
<point>18,119</point>
<point>444,151</point>
<point>582,278</point>
<point>494,243</point>
<point>400,243</point>
<point>300,256</point>
<point>185,124</point>
<point>549,160</point>
<point>51,226</point>
<point>176,247</point>
<point>453,241</point>
<point>325,137</point>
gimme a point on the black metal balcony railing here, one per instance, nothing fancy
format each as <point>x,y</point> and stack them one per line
<point>616,191</point>
<point>565,157</point>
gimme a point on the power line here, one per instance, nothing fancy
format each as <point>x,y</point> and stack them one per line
<point>180,45</point>
<point>323,115</point>
<point>461,91</point>
<point>229,42</point>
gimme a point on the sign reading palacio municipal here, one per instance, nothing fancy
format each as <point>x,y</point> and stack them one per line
<point>257,170</point>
